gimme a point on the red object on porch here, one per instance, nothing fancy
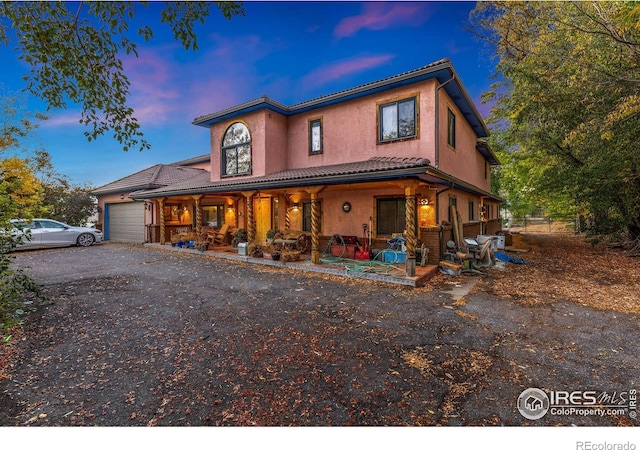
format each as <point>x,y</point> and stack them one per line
<point>344,251</point>
<point>344,246</point>
<point>364,254</point>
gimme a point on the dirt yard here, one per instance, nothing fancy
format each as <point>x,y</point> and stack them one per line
<point>132,336</point>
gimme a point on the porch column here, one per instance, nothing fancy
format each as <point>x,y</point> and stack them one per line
<point>198,226</point>
<point>162,234</point>
<point>251,226</point>
<point>287,213</point>
<point>315,224</point>
<point>410,207</point>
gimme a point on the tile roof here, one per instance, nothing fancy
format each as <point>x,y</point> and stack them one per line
<point>194,160</point>
<point>153,177</point>
<point>374,168</point>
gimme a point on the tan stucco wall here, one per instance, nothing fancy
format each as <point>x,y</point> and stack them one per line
<point>268,132</point>
<point>463,161</point>
<point>350,134</point>
<point>350,130</point>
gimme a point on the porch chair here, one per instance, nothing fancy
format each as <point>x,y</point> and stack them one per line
<point>220,236</point>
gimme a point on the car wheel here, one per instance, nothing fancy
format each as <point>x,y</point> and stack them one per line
<point>85,239</point>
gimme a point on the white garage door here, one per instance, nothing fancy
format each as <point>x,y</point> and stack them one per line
<point>126,222</point>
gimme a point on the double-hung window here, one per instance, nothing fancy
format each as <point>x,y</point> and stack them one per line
<point>236,150</point>
<point>397,120</point>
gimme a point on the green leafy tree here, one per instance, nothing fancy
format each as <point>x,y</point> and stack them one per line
<point>74,51</point>
<point>567,106</point>
<point>63,200</point>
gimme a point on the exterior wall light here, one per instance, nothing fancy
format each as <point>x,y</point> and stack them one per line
<point>424,201</point>
<point>295,206</point>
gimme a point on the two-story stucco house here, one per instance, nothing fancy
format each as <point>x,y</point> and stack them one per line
<point>393,153</point>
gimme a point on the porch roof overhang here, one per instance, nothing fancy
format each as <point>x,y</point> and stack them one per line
<point>369,171</point>
<point>374,169</point>
<point>436,176</point>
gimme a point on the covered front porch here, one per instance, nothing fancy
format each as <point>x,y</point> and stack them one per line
<point>316,212</point>
<point>376,270</point>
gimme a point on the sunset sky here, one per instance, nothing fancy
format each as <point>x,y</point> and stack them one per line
<point>289,51</point>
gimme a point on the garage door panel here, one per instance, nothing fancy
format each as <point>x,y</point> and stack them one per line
<point>126,222</point>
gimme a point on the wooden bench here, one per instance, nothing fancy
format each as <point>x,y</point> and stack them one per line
<point>291,240</point>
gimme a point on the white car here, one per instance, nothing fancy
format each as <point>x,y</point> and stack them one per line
<point>51,233</point>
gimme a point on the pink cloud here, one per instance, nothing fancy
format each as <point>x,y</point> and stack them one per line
<point>340,69</point>
<point>151,74</point>
<point>380,15</point>
<point>61,118</point>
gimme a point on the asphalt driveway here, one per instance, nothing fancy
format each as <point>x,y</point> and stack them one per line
<point>134,336</point>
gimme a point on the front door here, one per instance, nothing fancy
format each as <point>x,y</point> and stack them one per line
<point>262,208</point>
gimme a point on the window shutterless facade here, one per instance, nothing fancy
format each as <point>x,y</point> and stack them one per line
<point>451,128</point>
<point>236,150</point>
<point>397,120</point>
<point>453,201</point>
<point>306,216</point>
<point>390,216</point>
<point>315,136</point>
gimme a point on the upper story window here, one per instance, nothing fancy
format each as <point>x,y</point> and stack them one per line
<point>397,120</point>
<point>451,128</point>
<point>236,150</point>
<point>315,136</point>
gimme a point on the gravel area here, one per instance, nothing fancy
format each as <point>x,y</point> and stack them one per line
<point>136,336</point>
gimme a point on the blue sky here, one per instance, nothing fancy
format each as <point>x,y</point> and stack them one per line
<point>290,51</point>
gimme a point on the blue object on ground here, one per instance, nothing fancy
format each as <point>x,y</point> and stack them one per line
<point>507,258</point>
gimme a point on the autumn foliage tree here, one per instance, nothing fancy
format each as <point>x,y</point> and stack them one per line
<point>20,196</point>
<point>566,106</point>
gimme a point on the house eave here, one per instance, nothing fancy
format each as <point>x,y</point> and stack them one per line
<point>441,70</point>
<point>436,176</point>
<point>100,192</point>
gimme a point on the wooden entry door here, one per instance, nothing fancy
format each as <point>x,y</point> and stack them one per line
<point>262,207</point>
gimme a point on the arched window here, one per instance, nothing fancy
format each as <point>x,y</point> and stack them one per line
<point>236,150</point>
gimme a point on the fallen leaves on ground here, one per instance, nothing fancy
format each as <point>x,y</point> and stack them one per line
<point>566,267</point>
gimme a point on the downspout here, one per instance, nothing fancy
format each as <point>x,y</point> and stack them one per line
<point>453,77</point>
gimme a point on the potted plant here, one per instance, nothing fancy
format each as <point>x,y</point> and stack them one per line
<point>270,252</point>
<point>271,234</point>
<point>239,236</point>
